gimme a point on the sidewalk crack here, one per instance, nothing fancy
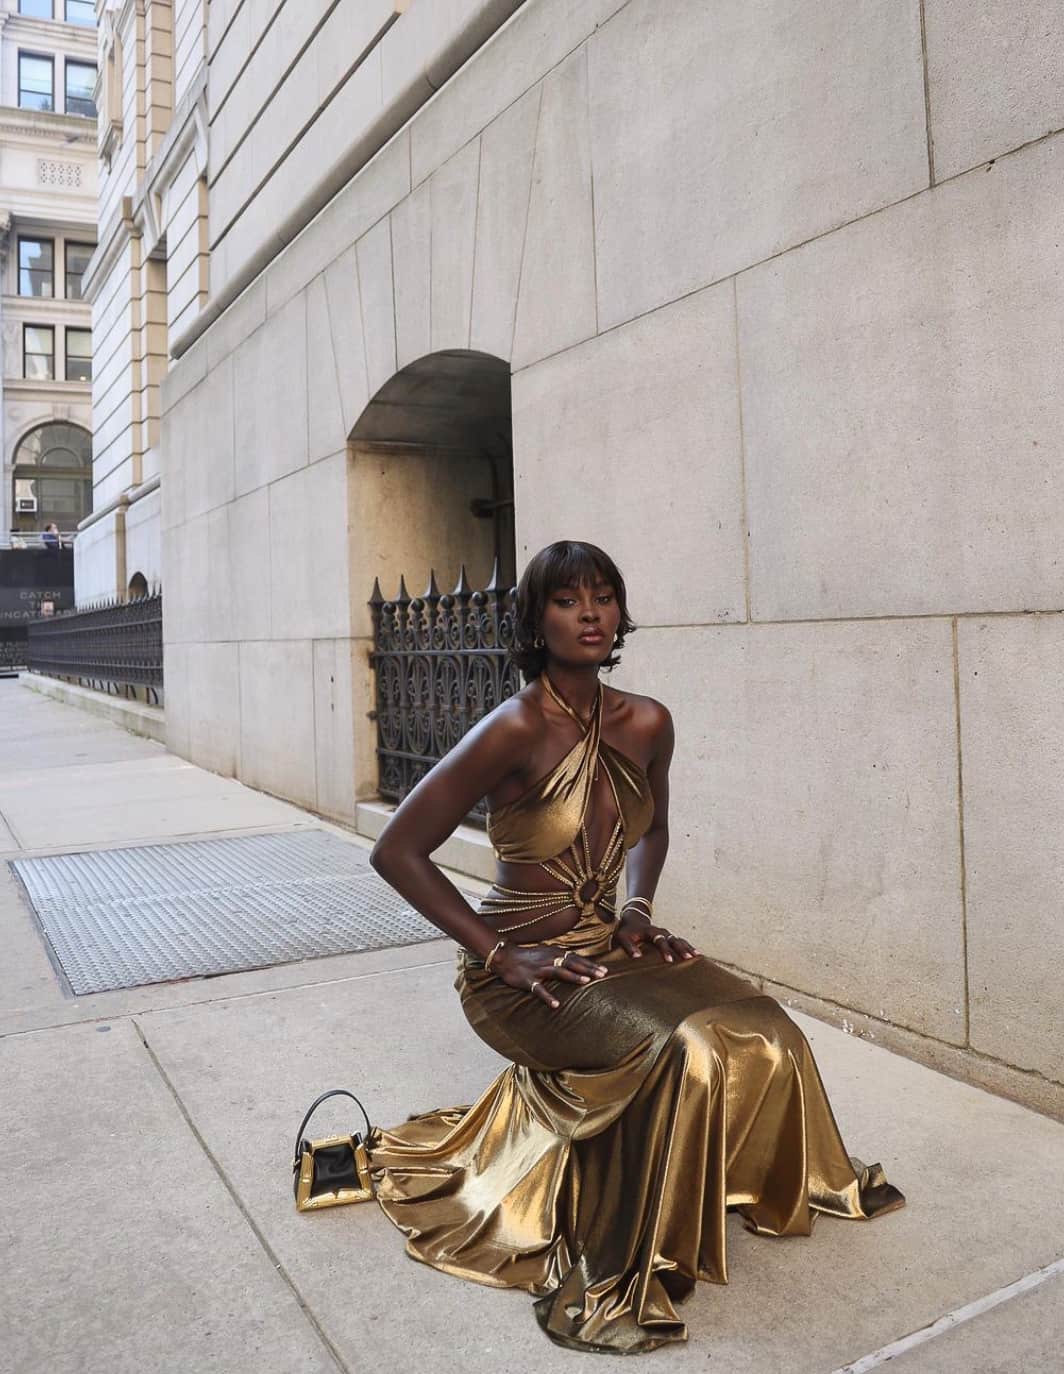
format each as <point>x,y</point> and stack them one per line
<point>14,833</point>
<point>254,1227</point>
<point>953,1319</point>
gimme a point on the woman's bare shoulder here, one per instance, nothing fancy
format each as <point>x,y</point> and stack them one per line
<point>645,714</point>
<point>517,721</point>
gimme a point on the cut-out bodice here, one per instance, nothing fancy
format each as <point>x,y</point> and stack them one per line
<point>546,819</point>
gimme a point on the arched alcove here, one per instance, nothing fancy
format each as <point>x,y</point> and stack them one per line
<point>138,586</point>
<point>431,491</point>
<point>432,473</point>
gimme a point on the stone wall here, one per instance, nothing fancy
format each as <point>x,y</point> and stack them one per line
<point>780,289</point>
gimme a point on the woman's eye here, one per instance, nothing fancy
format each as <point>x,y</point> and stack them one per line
<point>606,596</point>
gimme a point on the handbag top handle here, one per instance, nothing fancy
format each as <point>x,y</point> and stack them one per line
<point>333,1092</point>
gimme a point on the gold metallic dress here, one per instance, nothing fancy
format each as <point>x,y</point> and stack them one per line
<point>597,1169</point>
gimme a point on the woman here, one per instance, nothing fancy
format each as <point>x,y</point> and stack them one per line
<point>649,1089</point>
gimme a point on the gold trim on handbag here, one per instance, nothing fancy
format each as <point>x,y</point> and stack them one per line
<point>335,1170</point>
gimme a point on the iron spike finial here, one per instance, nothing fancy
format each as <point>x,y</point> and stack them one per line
<point>463,588</point>
<point>432,590</point>
<point>377,598</point>
<point>493,581</point>
<point>404,595</point>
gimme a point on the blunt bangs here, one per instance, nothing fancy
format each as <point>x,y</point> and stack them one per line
<point>565,563</point>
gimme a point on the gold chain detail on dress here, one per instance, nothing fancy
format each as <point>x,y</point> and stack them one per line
<point>577,875</point>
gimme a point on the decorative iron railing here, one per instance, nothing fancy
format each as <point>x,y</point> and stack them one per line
<point>12,647</point>
<point>441,663</point>
<point>115,646</point>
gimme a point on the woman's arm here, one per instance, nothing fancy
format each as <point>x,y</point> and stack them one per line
<point>647,858</point>
<point>491,751</point>
<point>430,813</point>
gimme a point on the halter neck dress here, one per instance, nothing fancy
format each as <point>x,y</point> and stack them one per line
<point>596,1170</point>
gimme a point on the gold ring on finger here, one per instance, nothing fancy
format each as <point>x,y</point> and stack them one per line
<point>560,961</point>
<point>658,938</point>
<point>536,983</point>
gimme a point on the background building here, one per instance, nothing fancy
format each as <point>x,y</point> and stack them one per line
<point>766,300</point>
<point>149,275</point>
<point>47,235</point>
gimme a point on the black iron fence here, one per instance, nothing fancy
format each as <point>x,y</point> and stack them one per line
<point>116,647</point>
<point>13,643</point>
<point>441,664</point>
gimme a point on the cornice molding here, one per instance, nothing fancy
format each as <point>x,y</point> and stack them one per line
<point>46,310</point>
<point>124,499</point>
<point>63,130</point>
<point>52,391</point>
<point>53,36</point>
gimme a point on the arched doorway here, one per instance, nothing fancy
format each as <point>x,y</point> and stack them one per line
<point>431,518</point>
<point>52,477</point>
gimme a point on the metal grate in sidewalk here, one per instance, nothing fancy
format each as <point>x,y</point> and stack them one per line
<point>120,918</point>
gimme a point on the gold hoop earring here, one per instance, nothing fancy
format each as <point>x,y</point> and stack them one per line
<point>538,642</point>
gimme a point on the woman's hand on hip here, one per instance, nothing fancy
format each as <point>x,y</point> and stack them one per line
<point>633,933</point>
<point>533,967</point>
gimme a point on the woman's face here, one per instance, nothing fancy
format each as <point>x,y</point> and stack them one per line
<point>580,623</point>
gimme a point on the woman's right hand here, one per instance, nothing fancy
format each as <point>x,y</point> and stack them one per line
<point>532,967</point>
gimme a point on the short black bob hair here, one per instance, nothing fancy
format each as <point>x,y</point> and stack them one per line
<point>566,563</point>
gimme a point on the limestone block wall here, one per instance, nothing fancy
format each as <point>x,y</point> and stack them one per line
<point>115,359</point>
<point>298,92</point>
<point>780,291</point>
<point>126,42</point>
<point>143,552</point>
<point>187,260</point>
<point>189,43</point>
<point>95,572</point>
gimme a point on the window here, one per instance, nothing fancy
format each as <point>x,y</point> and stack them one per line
<point>81,12</point>
<point>36,89</point>
<point>35,9</point>
<point>36,267</point>
<point>38,351</point>
<point>53,468</point>
<point>77,259</point>
<point>80,84</point>
<point>79,355</point>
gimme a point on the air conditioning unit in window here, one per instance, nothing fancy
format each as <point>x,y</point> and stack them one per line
<point>26,505</point>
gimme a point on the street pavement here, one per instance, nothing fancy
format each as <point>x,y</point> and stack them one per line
<point>146,1213</point>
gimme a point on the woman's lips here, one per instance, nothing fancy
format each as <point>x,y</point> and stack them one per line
<point>592,637</point>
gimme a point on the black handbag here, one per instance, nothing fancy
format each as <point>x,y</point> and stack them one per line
<point>333,1171</point>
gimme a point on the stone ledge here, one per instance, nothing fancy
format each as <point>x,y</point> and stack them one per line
<point>134,716</point>
<point>468,851</point>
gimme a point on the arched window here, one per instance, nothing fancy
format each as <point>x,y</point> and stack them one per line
<point>138,586</point>
<point>53,477</point>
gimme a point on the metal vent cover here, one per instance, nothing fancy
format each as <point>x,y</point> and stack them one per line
<point>121,918</point>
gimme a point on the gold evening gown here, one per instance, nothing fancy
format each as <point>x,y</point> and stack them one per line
<point>597,1169</point>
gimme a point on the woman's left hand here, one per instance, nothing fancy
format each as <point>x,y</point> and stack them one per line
<point>634,933</point>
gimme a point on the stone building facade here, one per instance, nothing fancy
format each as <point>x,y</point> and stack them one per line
<point>47,234</point>
<point>769,297</point>
<point>148,277</point>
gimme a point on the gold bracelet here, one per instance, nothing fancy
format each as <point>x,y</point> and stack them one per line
<point>491,956</point>
<point>640,902</point>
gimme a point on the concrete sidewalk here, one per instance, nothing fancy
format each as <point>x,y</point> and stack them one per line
<point>147,1221</point>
